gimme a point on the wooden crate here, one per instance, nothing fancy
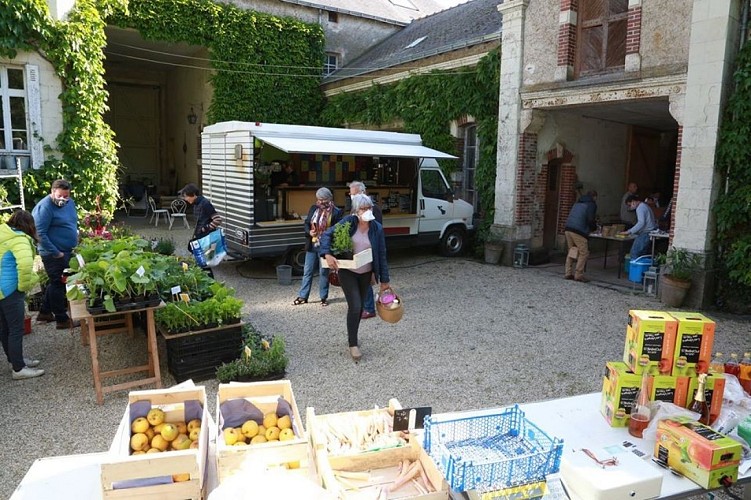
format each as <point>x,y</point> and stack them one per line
<point>125,467</point>
<point>381,465</point>
<point>231,460</point>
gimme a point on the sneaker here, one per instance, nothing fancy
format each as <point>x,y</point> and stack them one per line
<point>64,325</point>
<point>27,372</point>
<point>367,315</point>
<point>355,353</point>
<point>43,317</point>
<point>31,363</point>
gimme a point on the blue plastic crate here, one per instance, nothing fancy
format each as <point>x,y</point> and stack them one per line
<point>491,452</point>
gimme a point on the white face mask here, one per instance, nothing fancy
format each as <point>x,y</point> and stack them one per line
<point>367,216</point>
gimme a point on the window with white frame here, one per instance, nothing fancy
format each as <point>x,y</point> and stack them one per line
<point>14,132</point>
<point>471,157</point>
<point>331,63</point>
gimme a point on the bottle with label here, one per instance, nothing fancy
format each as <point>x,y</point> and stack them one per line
<point>699,404</point>
<point>641,411</point>
<point>717,365</point>
<point>744,372</point>
<point>731,365</point>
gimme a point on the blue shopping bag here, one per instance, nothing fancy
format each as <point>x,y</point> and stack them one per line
<point>209,250</point>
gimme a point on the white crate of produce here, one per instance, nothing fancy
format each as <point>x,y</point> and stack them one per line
<point>358,260</point>
<point>135,470</point>
<point>286,444</point>
<point>358,455</point>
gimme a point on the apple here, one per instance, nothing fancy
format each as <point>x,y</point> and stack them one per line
<point>139,425</point>
<point>155,416</point>
<point>181,442</point>
<point>169,432</point>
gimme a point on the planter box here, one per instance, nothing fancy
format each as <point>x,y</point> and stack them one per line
<point>232,460</point>
<point>150,475</point>
<point>35,301</point>
<point>196,355</point>
<point>359,260</point>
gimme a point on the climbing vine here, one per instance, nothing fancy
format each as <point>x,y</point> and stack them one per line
<point>733,206</point>
<point>426,104</point>
<point>265,68</point>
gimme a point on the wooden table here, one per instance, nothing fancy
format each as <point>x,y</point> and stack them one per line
<point>119,322</point>
<point>624,244</point>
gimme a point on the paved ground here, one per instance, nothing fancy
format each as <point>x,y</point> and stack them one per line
<point>473,336</point>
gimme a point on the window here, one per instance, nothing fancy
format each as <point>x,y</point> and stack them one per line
<point>333,17</point>
<point>433,185</point>
<point>471,157</point>
<point>331,63</point>
<point>602,35</point>
<point>14,133</point>
<point>415,42</point>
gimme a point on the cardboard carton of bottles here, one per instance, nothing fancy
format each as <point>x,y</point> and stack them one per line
<point>713,392</point>
<point>698,452</point>
<point>693,343</point>
<point>619,388</point>
<point>650,335</point>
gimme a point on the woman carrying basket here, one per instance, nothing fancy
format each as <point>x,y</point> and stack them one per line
<point>365,233</point>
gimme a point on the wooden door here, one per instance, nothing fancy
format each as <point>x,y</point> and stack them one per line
<point>134,117</point>
<point>552,205</point>
<point>644,160</point>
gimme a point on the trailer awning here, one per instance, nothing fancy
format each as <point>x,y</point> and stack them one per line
<point>356,148</point>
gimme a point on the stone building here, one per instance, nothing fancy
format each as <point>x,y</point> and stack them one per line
<point>598,94</point>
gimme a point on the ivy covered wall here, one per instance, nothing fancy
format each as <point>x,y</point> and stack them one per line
<point>426,104</point>
<point>733,206</point>
<point>267,69</point>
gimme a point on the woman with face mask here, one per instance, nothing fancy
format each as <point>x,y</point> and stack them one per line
<point>322,215</point>
<point>365,233</point>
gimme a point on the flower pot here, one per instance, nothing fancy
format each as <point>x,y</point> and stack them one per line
<point>674,291</point>
<point>493,253</point>
<point>264,378</point>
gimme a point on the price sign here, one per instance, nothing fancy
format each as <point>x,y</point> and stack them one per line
<point>140,271</point>
<point>411,418</point>
<point>79,258</point>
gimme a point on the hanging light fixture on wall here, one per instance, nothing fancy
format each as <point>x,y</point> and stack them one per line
<point>192,116</point>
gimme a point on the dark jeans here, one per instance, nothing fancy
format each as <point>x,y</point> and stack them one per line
<point>54,298</point>
<point>12,314</point>
<point>355,287</point>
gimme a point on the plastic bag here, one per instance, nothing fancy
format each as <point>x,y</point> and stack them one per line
<point>661,410</point>
<point>209,250</point>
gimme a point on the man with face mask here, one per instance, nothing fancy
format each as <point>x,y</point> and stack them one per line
<point>57,227</point>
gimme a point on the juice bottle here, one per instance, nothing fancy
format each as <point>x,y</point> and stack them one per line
<point>744,372</point>
<point>731,366</point>
<point>699,404</point>
<point>641,412</point>
<point>717,365</point>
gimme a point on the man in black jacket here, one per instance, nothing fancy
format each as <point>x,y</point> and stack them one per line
<point>580,222</point>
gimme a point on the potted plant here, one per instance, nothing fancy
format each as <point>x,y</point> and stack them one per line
<point>341,243</point>
<point>493,248</point>
<point>261,358</point>
<point>681,267</point>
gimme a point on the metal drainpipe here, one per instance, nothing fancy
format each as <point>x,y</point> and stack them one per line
<point>744,24</point>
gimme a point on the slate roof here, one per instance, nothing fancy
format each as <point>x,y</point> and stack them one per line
<point>386,10</point>
<point>464,25</point>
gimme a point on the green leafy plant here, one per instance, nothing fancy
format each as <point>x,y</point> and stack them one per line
<point>260,357</point>
<point>165,246</point>
<point>341,241</point>
<point>682,264</point>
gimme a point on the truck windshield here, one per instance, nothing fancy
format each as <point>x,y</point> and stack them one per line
<point>434,185</point>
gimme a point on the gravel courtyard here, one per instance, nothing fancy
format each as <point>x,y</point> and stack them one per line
<point>473,336</point>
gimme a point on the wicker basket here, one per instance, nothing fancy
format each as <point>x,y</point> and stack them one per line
<point>390,314</point>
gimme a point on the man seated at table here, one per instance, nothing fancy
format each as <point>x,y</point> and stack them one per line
<point>645,223</point>
<point>580,222</point>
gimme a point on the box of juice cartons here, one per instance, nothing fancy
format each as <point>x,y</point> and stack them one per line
<point>619,388</point>
<point>693,343</point>
<point>650,335</point>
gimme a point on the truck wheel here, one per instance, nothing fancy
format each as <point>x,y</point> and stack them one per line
<point>452,243</point>
<point>296,259</point>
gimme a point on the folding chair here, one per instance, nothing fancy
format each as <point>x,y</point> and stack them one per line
<point>158,212</point>
<point>177,209</point>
